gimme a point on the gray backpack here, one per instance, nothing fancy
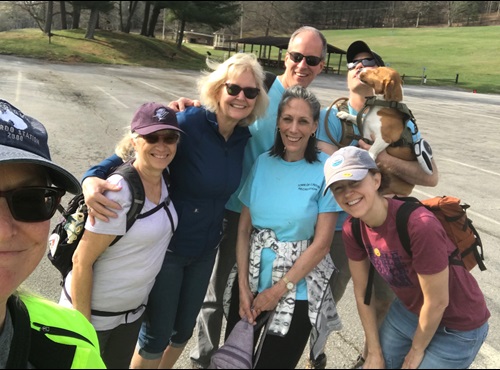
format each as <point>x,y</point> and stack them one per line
<point>237,351</point>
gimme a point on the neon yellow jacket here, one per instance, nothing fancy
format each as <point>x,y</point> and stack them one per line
<point>57,337</point>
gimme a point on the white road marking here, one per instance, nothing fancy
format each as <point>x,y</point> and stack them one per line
<point>112,97</point>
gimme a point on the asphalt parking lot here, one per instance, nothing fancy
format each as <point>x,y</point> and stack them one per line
<point>87,107</point>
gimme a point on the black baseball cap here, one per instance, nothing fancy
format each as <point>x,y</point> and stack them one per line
<point>361,47</point>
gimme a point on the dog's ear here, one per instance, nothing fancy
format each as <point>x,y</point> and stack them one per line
<point>393,90</point>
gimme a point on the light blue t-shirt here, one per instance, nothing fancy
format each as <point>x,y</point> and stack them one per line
<point>335,128</point>
<point>263,133</point>
<point>287,198</point>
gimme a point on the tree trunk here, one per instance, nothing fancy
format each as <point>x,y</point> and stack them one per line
<point>48,18</point>
<point>181,34</point>
<point>153,20</point>
<point>94,16</point>
<point>76,16</point>
<point>132,7</point>
<point>120,15</point>
<point>144,29</point>
<point>64,22</point>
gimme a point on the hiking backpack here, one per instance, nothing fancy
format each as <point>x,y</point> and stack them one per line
<point>69,230</point>
<point>451,213</point>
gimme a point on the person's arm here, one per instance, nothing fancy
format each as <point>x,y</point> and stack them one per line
<point>319,248</point>
<point>325,147</point>
<point>367,314</point>
<point>242,261</point>
<point>435,289</point>
<point>94,185</point>
<point>91,246</point>
<point>180,104</point>
<point>410,171</point>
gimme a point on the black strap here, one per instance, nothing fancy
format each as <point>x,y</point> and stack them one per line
<point>402,217</point>
<point>21,341</point>
<point>104,313</point>
<point>264,318</point>
<point>372,101</point>
<point>163,205</point>
<point>356,231</point>
<point>269,80</point>
<point>130,174</point>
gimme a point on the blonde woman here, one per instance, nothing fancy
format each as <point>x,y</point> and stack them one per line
<point>206,171</point>
<point>110,284</point>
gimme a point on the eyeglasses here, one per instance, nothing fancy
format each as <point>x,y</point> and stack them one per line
<point>310,59</point>
<point>34,203</point>
<point>171,138</point>
<point>366,62</point>
<point>234,90</point>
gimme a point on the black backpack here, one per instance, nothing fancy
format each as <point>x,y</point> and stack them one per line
<point>69,230</point>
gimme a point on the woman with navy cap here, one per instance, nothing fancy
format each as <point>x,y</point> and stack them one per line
<point>34,333</point>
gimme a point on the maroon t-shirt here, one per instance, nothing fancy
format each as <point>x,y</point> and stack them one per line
<point>430,247</point>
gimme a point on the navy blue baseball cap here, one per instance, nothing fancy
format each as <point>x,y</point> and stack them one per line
<point>23,139</point>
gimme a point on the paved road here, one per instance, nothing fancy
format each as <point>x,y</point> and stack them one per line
<point>87,107</point>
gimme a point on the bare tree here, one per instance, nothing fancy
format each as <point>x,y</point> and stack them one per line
<point>145,20</point>
<point>95,7</point>
<point>64,23</point>
<point>132,7</point>
<point>76,15</point>
<point>48,18</point>
<point>34,9</point>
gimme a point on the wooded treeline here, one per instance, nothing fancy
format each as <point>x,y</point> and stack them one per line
<point>241,18</point>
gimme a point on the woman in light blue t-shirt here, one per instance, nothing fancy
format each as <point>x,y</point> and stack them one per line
<point>285,231</point>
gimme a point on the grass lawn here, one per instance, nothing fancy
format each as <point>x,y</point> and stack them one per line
<point>441,54</point>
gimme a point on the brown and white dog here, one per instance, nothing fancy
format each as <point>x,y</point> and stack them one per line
<point>385,125</point>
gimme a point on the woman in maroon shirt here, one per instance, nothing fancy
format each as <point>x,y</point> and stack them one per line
<point>439,318</point>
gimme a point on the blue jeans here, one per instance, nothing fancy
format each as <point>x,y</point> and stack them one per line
<point>174,302</point>
<point>448,349</point>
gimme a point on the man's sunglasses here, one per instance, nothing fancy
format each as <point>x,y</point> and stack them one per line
<point>234,90</point>
<point>170,138</point>
<point>366,62</point>
<point>310,59</point>
<point>34,203</point>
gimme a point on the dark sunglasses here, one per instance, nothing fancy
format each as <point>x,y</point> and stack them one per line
<point>34,203</point>
<point>366,62</point>
<point>234,90</point>
<point>171,138</point>
<point>310,59</point>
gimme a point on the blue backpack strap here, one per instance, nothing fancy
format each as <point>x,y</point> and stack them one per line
<point>356,231</point>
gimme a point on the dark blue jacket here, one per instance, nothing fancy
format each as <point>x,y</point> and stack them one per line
<point>204,173</point>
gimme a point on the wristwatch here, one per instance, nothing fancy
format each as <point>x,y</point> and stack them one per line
<point>288,283</point>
